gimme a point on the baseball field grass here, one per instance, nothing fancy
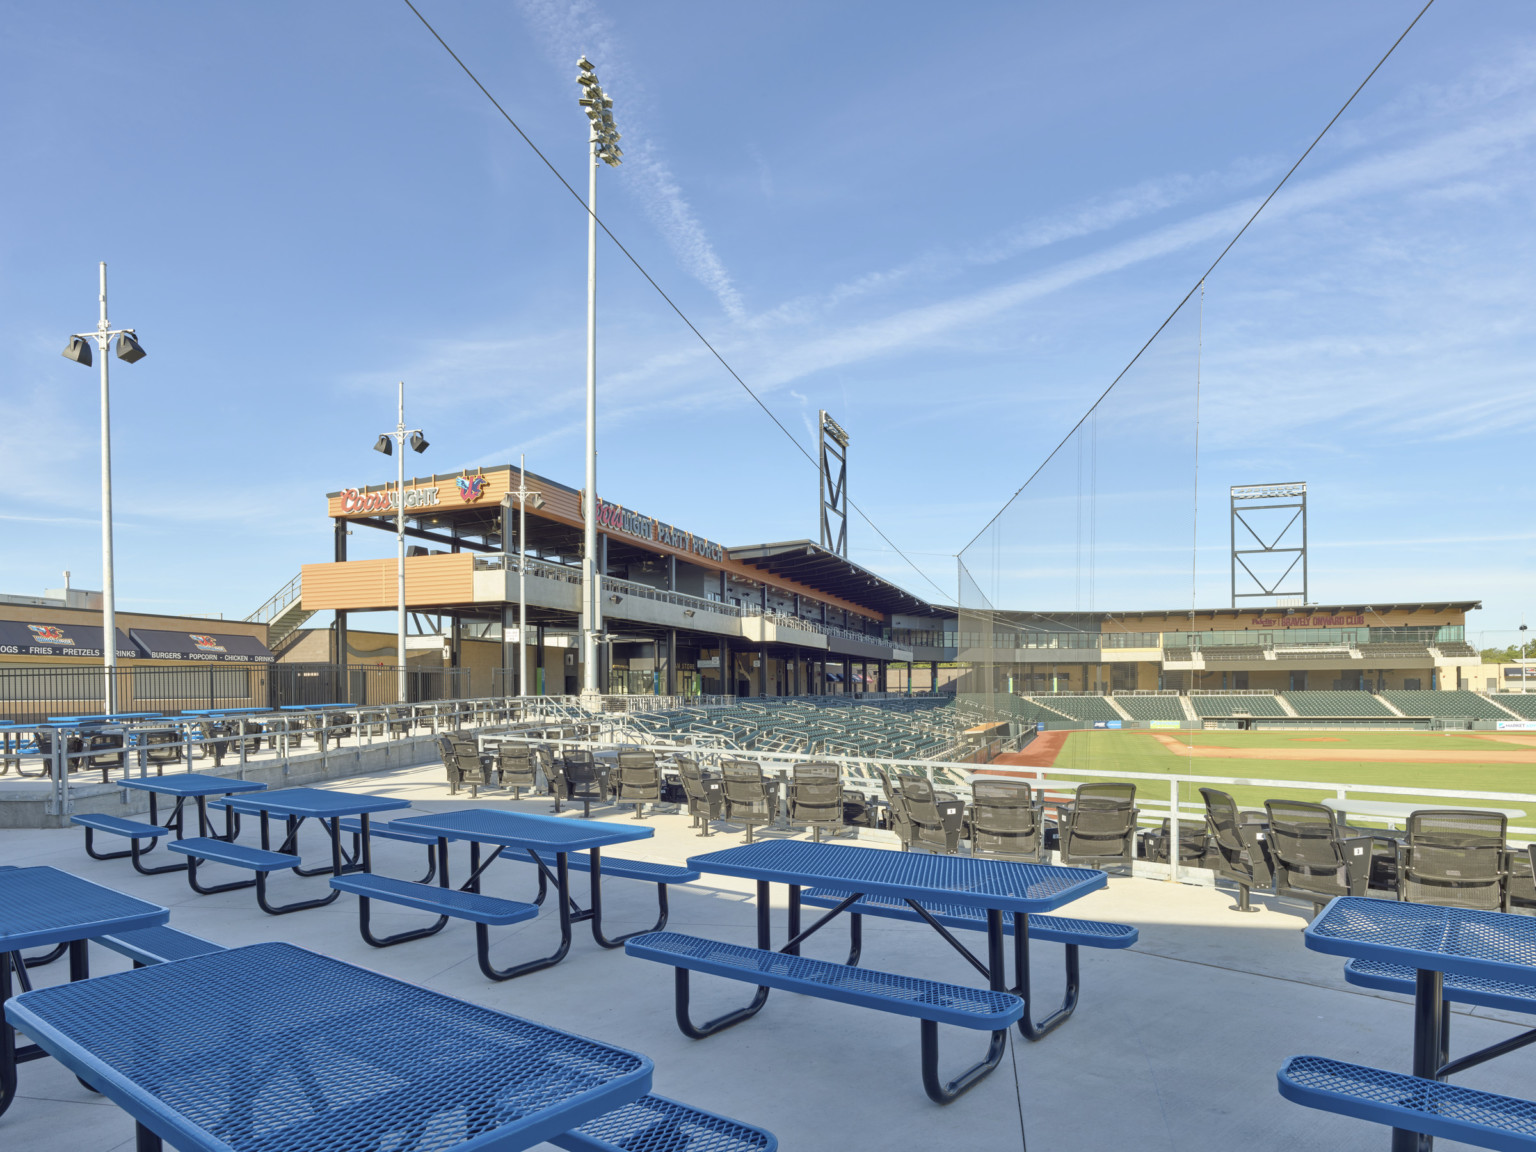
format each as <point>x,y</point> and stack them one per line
<point>1317,762</point>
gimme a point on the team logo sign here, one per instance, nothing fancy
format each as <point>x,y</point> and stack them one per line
<point>206,643</point>
<point>471,488</point>
<point>48,634</point>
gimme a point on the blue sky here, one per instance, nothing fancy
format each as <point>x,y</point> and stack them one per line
<point>950,230</point>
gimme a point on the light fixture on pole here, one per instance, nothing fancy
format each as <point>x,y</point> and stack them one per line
<point>603,142</point>
<point>387,443</point>
<point>128,351</point>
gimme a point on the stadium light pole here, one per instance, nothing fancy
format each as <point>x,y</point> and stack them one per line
<point>386,443</point>
<point>523,494</point>
<point>129,351</point>
<point>603,144</point>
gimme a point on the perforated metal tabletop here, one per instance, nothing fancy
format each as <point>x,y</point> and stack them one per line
<point>41,907</point>
<point>956,880</point>
<point>1497,945</point>
<point>193,784</point>
<point>272,1048</point>
<point>524,829</point>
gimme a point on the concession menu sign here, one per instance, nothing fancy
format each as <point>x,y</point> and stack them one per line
<point>22,639</point>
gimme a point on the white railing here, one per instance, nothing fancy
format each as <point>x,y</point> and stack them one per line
<point>279,600</point>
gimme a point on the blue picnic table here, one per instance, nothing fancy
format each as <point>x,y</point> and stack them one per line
<point>294,806</point>
<point>196,786</point>
<point>1494,951</point>
<point>44,908</point>
<point>940,890</point>
<point>297,1051</point>
<point>544,840</point>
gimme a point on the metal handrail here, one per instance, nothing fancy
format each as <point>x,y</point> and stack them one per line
<point>279,600</point>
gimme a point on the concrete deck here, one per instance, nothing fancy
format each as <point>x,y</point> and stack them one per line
<point>1174,1046</point>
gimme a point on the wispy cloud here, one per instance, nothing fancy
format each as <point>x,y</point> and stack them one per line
<point>573,28</point>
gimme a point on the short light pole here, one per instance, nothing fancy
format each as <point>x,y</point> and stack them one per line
<point>128,350</point>
<point>523,494</point>
<point>386,444</point>
<point>603,141</point>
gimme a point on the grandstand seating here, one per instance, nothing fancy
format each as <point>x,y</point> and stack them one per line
<point>1445,705</point>
<point>1456,648</point>
<point>1085,708</point>
<point>1233,652</point>
<point>1394,651</point>
<point>1518,702</point>
<point>1181,655</point>
<point>1219,706</point>
<point>918,729</point>
<point>1348,703</point>
<point>1146,708</point>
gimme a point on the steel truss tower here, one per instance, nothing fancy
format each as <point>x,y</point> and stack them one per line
<point>1248,499</point>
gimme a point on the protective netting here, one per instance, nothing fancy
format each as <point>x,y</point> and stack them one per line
<point>1104,520</point>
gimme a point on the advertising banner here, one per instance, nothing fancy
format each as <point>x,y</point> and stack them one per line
<point>1108,723</point>
<point>1164,723</point>
<point>1516,725</point>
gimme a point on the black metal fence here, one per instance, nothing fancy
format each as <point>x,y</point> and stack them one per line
<point>32,694</point>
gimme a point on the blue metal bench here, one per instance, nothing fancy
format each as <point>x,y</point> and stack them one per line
<point>1479,990</point>
<point>658,874</point>
<point>931,1002</point>
<point>654,1122</point>
<point>447,903</point>
<point>261,861</point>
<point>145,946</point>
<point>135,830</point>
<point>1074,934</point>
<point>437,849</point>
<point>1410,1103</point>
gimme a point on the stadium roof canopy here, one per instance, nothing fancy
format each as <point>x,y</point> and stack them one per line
<point>814,565</point>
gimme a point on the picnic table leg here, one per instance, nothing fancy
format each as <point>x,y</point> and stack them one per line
<point>681,989</point>
<point>595,909</point>
<point>1428,1027</point>
<point>933,1084</point>
<point>332,826</point>
<point>1031,1028</point>
<point>144,1140</point>
<point>364,841</point>
<point>482,931</point>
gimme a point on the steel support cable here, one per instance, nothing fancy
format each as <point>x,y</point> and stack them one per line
<point>1273,192</point>
<point>681,315</point>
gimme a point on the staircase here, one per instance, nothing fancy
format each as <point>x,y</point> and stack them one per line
<point>1387,704</point>
<point>283,613</point>
<point>1189,709</point>
<point>1115,704</point>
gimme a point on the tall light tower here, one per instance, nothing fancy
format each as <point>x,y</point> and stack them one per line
<point>128,350</point>
<point>386,444</point>
<point>603,142</point>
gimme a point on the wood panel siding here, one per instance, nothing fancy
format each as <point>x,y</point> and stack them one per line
<point>361,585</point>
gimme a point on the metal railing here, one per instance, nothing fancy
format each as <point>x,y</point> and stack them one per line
<point>278,601</point>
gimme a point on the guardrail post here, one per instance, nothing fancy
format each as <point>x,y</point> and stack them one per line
<point>1173,830</point>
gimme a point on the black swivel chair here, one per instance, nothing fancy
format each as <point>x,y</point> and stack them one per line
<point>1235,849</point>
<point>1099,826</point>
<point>515,767</point>
<point>748,797</point>
<point>639,780</point>
<point>1315,857</point>
<point>816,799</point>
<point>706,795</point>
<point>1007,820</point>
<point>1456,859</point>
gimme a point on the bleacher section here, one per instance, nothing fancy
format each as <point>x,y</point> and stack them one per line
<point>918,729</point>
<point>1216,707</point>
<point>1085,708</point>
<point>1343,703</point>
<point>1232,652</point>
<point>1151,707</point>
<point>1523,704</point>
<point>1395,651</point>
<point>1456,648</point>
<point>1445,705</point>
